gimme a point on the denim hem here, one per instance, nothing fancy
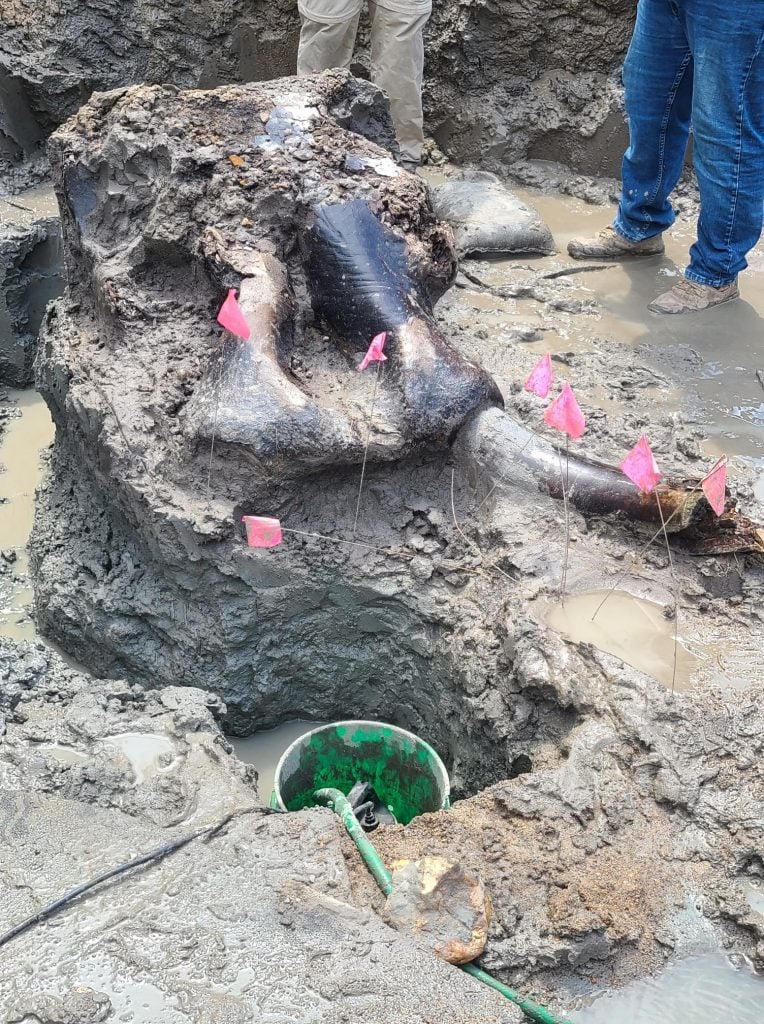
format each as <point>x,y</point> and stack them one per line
<point>709,282</point>
<point>630,236</point>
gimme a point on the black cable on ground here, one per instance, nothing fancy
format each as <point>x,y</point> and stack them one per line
<point>146,858</point>
<point>568,271</point>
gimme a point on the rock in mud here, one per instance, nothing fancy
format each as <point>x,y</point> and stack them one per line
<point>441,907</point>
<point>256,918</point>
<point>487,218</point>
<point>30,276</point>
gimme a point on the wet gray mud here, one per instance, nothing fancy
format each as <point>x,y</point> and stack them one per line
<point>256,919</point>
<point>617,824</point>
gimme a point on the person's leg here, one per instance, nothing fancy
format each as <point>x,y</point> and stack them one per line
<point>397,67</point>
<point>326,45</point>
<point>657,77</point>
<point>728,126</point>
<point>658,83</point>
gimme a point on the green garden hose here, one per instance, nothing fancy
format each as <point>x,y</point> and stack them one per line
<point>532,1010</point>
<point>340,804</point>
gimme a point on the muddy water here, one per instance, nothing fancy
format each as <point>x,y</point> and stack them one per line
<point>29,206</point>
<point>148,753</point>
<point>263,750</point>
<point>24,440</point>
<point>704,989</point>
<point>723,394</point>
<point>62,753</point>
<point>631,628</point>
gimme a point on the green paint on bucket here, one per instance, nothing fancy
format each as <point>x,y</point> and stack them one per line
<point>407,775</point>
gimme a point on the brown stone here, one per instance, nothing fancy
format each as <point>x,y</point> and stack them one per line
<point>441,906</point>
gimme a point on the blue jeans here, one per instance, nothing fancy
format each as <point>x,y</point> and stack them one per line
<point>699,63</point>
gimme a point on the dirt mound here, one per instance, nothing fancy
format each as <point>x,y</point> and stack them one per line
<point>614,821</point>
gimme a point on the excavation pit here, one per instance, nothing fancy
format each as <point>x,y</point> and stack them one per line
<point>591,814</point>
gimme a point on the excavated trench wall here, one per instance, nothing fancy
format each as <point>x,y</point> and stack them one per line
<point>30,276</point>
<point>505,80</point>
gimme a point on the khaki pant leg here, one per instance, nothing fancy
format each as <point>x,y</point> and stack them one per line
<point>323,46</point>
<point>397,67</point>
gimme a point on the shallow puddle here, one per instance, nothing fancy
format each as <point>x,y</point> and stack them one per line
<point>25,438</point>
<point>132,1001</point>
<point>631,628</point>
<point>62,753</point>
<point>703,989</point>
<point>263,750</point>
<point>488,301</point>
<point>148,753</point>
<point>31,205</point>
<point>723,394</point>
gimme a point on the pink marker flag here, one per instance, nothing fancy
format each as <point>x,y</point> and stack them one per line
<point>714,486</point>
<point>232,318</point>
<point>375,353</point>
<point>565,414</point>
<point>262,532</point>
<point>540,380</point>
<point>640,466</point>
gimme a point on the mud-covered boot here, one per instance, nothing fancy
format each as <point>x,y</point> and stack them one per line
<point>609,245</point>
<point>412,166</point>
<point>690,297</point>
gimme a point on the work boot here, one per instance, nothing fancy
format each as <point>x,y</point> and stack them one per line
<point>690,297</point>
<point>609,245</point>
